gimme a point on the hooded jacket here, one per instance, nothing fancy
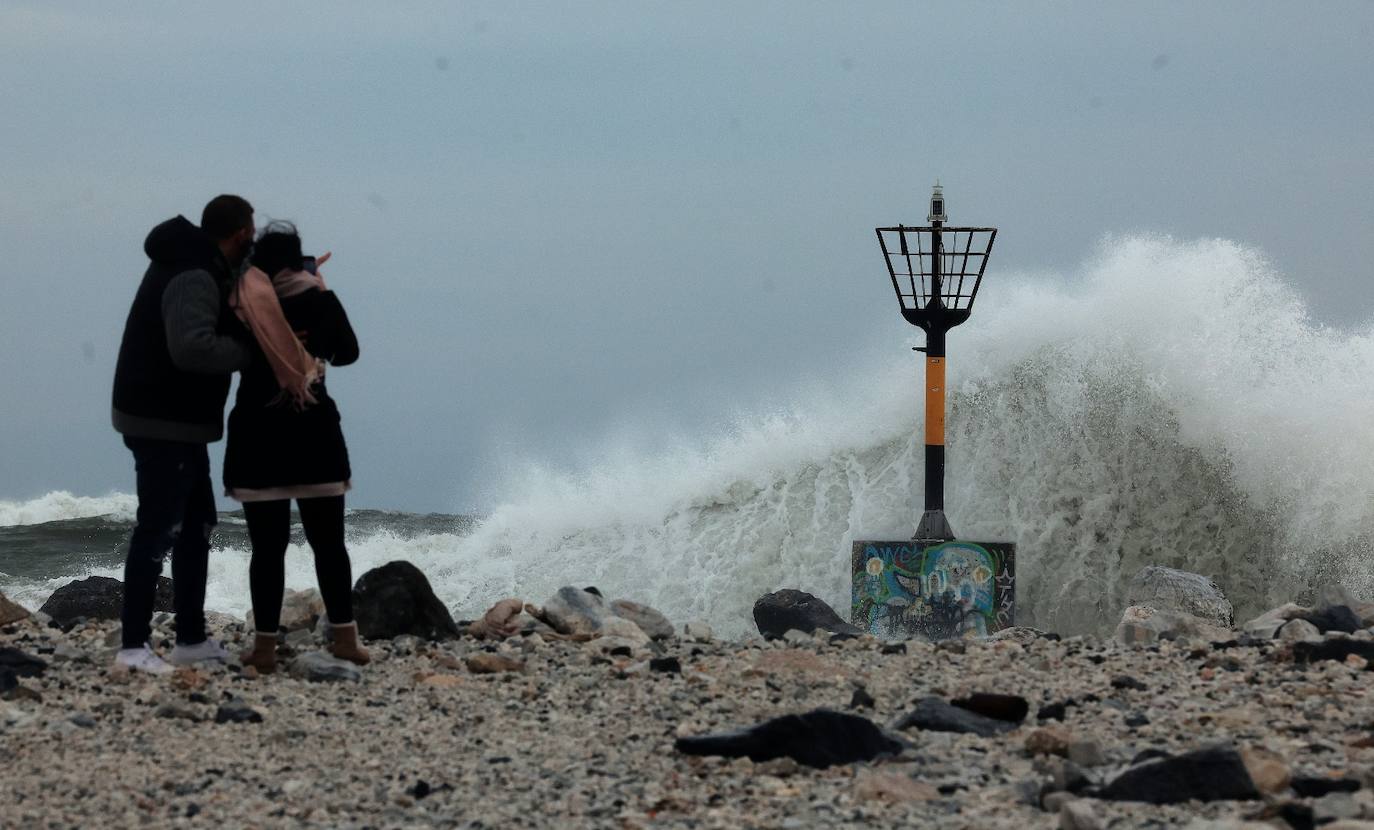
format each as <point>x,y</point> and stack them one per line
<point>181,342</point>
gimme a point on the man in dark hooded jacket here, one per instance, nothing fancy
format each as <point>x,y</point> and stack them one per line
<point>181,345</point>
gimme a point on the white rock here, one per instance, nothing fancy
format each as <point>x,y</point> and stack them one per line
<point>1142,625</point>
<point>698,632</point>
<point>622,629</point>
<point>1267,625</point>
<point>1299,630</point>
<point>651,620</point>
<point>1079,815</point>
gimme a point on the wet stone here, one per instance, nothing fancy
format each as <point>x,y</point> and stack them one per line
<point>820,738</point>
<point>935,715</point>
<point>1010,708</point>
<point>1209,774</point>
<point>237,711</point>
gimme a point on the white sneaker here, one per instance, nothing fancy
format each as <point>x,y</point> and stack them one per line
<point>207,650</point>
<point>142,659</point>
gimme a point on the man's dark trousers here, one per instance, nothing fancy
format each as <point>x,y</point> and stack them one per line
<point>176,512</point>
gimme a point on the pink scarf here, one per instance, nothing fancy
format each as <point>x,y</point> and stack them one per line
<point>255,301</point>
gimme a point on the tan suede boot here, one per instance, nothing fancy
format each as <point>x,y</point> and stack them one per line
<point>345,645</point>
<point>263,655</point>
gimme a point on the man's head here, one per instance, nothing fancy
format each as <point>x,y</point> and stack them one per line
<point>229,221</point>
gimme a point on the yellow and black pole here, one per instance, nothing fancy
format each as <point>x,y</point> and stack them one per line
<point>936,271</point>
<point>934,524</point>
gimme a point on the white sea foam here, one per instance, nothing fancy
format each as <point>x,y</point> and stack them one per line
<point>60,505</point>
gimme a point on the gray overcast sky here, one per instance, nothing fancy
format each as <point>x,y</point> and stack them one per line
<point>553,223</point>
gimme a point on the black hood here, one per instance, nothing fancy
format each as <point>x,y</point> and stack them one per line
<point>178,242</point>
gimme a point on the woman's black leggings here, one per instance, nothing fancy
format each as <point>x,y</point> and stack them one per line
<point>269,530</point>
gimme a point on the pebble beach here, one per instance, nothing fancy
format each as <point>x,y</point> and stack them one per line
<point>536,732</point>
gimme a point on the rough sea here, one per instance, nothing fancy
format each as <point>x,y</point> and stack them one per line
<point>1171,404</point>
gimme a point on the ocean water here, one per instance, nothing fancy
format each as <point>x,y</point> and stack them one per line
<point>1170,403</point>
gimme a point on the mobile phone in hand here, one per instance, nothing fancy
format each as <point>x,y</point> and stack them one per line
<point>309,263</point>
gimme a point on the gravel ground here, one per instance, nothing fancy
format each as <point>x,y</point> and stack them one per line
<point>577,738</point>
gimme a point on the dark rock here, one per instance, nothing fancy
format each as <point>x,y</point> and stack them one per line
<point>862,699</point>
<point>1316,786</point>
<point>1010,708</point>
<point>777,613</point>
<point>97,598</point>
<point>83,720</point>
<point>176,711</point>
<point>320,667</point>
<point>621,651</point>
<point>422,788</point>
<point>8,680</point>
<point>1210,774</point>
<point>1311,652</point>
<point>23,665</point>
<point>1136,719</point>
<point>396,599</point>
<point>670,665</point>
<point>935,715</point>
<point>1335,618</point>
<point>592,589</point>
<point>820,738</point>
<point>894,648</point>
<point>21,692</point>
<point>1125,681</point>
<point>237,711</point>
<point>1298,816</point>
<point>1053,711</point>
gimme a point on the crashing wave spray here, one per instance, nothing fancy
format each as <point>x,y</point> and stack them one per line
<point>1146,416</point>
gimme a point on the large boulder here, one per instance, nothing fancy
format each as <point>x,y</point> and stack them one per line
<point>1143,625</point>
<point>781,611</point>
<point>1169,589</point>
<point>11,612</point>
<point>576,611</point>
<point>396,599</point>
<point>98,598</point>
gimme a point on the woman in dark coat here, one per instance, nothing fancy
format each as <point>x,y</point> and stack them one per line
<point>285,442</point>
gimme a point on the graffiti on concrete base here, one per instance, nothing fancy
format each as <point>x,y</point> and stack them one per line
<point>933,591</point>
